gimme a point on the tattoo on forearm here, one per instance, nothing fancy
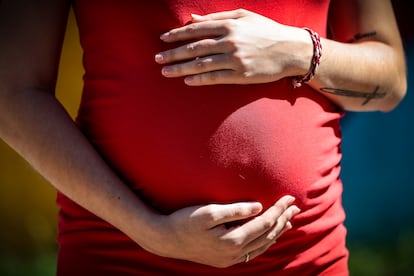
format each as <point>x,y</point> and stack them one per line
<point>368,96</point>
<point>360,36</point>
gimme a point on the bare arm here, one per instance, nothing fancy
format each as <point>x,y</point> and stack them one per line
<point>363,67</point>
<point>367,74</point>
<point>34,123</point>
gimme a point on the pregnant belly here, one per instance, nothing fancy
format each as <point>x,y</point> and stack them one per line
<point>176,154</point>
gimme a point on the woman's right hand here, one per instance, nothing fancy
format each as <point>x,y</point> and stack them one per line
<point>201,233</point>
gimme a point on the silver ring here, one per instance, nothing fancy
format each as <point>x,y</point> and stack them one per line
<point>247,258</point>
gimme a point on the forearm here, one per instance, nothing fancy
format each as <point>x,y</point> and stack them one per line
<point>34,123</point>
<point>38,128</point>
<point>362,76</point>
<point>365,75</point>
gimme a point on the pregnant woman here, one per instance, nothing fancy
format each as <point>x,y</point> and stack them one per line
<point>208,139</point>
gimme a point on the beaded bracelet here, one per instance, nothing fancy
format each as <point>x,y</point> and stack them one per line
<point>316,59</point>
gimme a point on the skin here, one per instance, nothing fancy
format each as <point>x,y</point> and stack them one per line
<point>364,58</point>
<point>34,123</point>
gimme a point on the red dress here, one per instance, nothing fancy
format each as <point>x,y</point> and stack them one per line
<point>178,146</point>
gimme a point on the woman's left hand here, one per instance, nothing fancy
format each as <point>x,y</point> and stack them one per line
<point>238,47</point>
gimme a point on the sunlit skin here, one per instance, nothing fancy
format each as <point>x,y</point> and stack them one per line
<point>237,51</point>
<point>35,125</point>
<point>33,122</point>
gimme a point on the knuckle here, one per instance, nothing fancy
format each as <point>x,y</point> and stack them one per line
<point>201,63</point>
<point>239,61</point>
<point>191,28</point>
<point>267,223</point>
<point>192,47</point>
<point>212,76</point>
<point>229,44</point>
<point>229,25</point>
<point>209,214</point>
<point>238,211</point>
<point>233,244</point>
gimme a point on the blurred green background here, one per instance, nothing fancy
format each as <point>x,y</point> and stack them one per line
<point>377,165</point>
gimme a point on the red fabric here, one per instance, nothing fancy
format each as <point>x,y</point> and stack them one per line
<point>178,146</point>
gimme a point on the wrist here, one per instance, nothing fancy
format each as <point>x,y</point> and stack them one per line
<point>299,52</point>
<point>152,235</point>
<point>300,79</point>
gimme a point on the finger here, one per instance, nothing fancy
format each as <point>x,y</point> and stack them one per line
<point>210,78</point>
<point>195,30</point>
<point>192,50</point>
<point>261,245</point>
<point>262,224</point>
<point>234,14</point>
<point>219,214</point>
<point>254,253</point>
<point>282,225</point>
<point>287,227</point>
<point>197,66</point>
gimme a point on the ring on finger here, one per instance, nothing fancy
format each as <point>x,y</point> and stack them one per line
<point>247,258</point>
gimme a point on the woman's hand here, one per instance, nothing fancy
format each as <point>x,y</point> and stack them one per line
<point>238,47</point>
<point>201,233</point>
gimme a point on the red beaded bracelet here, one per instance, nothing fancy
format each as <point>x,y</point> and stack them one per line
<point>316,59</point>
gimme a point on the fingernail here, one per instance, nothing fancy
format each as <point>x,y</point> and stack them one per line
<point>189,80</point>
<point>290,199</point>
<point>166,70</point>
<point>256,208</point>
<point>159,58</point>
<point>164,36</point>
<point>295,210</point>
